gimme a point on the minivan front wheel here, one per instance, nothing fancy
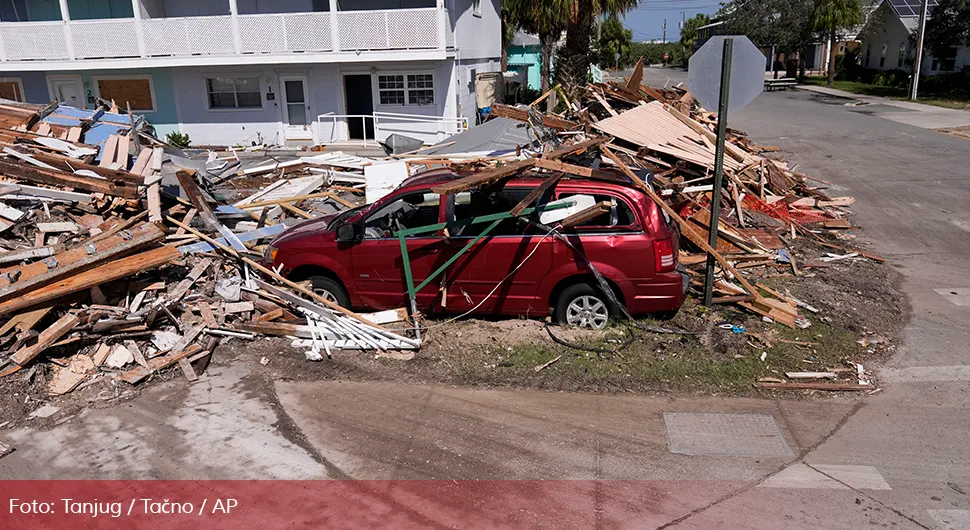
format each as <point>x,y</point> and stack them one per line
<point>330,290</point>
<point>580,305</point>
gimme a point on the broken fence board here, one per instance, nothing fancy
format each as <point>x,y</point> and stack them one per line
<point>135,375</point>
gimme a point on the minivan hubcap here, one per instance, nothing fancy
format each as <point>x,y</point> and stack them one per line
<point>587,312</point>
<point>326,295</point>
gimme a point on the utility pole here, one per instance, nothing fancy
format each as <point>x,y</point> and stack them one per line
<point>683,24</point>
<point>664,46</point>
<point>918,64</point>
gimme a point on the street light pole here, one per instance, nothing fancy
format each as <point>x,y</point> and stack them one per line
<point>918,64</point>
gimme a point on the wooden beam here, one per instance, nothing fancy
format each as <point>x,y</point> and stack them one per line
<point>578,147</point>
<point>20,278</point>
<point>138,373</point>
<point>586,215</point>
<point>67,180</point>
<point>516,113</point>
<point>637,76</point>
<point>536,193</point>
<point>572,169</point>
<point>484,177</point>
<point>691,233</point>
<point>45,339</point>
<point>107,272</point>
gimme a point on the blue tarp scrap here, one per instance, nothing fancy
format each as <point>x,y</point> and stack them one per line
<point>108,123</point>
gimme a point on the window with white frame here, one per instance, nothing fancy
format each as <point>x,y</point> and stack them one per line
<point>405,89</point>
<point>234,92</point>
<point>420,89</point>
<point>902,55</point>
<point>391,88</point>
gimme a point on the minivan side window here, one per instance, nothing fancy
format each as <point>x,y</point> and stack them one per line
<point>620,218</point>
<point>469,204</point>
<point>413,210</point>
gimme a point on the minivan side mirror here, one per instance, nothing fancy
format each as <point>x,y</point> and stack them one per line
<point>347,232</point>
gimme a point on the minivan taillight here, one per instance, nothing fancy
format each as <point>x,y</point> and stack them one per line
<point>663,251</point>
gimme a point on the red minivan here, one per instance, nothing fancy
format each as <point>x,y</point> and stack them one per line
<point>633,245</point>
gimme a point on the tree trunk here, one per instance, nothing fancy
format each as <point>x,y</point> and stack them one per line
<point>579,34</point>
<point>833,53</point>
<point>545,61</point>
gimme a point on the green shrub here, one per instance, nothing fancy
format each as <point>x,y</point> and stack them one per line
<point>179,140</point>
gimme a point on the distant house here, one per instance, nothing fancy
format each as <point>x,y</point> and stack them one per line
<point>524,58</point>
<point>886,43</point>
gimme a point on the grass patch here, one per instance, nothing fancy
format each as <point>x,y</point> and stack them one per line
<point>858,87</point>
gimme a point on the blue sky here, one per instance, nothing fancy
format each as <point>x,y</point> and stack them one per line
<point>647,19</point>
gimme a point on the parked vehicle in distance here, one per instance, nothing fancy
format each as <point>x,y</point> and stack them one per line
<point>353,258</point>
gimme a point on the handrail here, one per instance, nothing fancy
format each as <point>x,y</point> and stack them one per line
<point>452,125</point>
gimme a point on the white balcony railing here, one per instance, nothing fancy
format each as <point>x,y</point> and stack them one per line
<point>262,34</point>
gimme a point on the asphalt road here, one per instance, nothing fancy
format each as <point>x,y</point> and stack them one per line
<point>896,459</point>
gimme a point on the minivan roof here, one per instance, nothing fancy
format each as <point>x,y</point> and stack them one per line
<point>434,177</point>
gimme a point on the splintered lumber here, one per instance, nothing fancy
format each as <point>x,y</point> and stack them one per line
<point>275,329</point>
<point>637,77</point>
<point>586,215</point>
<point>106,272</point>
<point>19,279</point>
<point>268,272</point>
<point>692,234</point>
<point>187,181</point>
<point>136,374</point>
<point>844,387</point>
<point>811,375</point>
<point>578,147</point>
<point>46,338</point>
<point>572,169</point>
<point>485,177</point>
<point>536,193</point>
<point>67,180</point>
<point>516,113</point>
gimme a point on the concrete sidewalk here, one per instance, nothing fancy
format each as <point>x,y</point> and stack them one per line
<point>908,112</point>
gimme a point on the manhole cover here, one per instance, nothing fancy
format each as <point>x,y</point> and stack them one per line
<point>691,433</point>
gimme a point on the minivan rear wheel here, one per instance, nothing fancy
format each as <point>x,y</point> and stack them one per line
<point>581,305</point>
<point>330,290</point>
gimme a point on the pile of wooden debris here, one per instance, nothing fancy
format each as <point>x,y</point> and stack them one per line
<point>765,204</point>
<point>117,261</point>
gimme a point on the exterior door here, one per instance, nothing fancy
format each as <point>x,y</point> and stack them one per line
<point>378,264</point>
<point>360,102</point>
<point>296,108</point>
<point>67,90</point>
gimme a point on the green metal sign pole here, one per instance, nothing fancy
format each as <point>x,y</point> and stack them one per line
<point>722,113</point>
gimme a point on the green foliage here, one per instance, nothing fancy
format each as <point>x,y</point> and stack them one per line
<point>949,26</point>
<point>615,40</point>
<point>784,24</point>
<point>179,140</point>
<point>688,34</point>
<point>833,15</point>
<point>653,53</point>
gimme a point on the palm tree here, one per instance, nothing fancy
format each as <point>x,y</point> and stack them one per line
<point>546,19</point>
<point>579,33</point>
<point>832,15</point>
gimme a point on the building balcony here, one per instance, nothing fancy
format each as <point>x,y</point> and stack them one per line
<point>230,38</point>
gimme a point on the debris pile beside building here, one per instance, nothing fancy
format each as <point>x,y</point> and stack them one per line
<point>124,257</point>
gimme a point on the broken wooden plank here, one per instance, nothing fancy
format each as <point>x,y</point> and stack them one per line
<point>135,375</point>
<point>484,177</point>
<point>575,148</point>
<point>536,193</point>
<point>515,113</point>
<point>238,307</point>
<point>47,337</point>
<point>191,188</point>
<point>811,375</point>
<point>21,278</point>
<point>108,151</point>
<point>67,180</point>
<point>106,272</point>
<point>55,228</point>
<point>586,215</point>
